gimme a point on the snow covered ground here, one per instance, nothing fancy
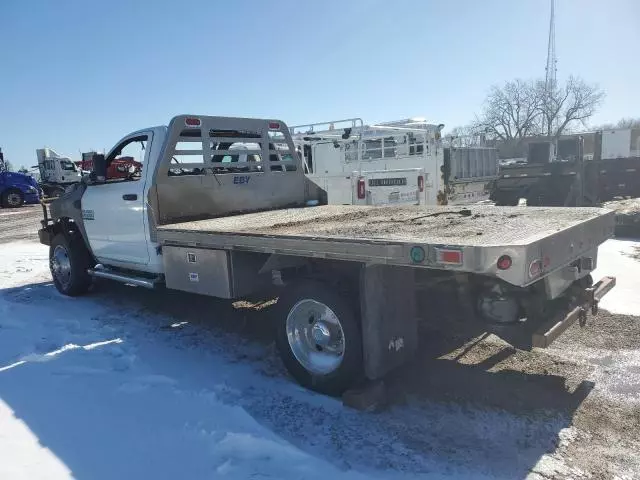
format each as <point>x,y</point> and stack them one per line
<point>125,383</point>
<point>616,257</point>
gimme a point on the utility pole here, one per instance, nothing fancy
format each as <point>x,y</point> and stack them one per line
<point>552,61</point>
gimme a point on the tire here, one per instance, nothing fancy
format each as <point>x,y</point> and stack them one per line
<point>69,260</point>
<point>12,198</point>
<point>306,301</point>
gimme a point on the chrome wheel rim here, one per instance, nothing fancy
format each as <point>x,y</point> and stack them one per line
<point>315,336</point>
<point>61,265</point>
<point>14,200</point>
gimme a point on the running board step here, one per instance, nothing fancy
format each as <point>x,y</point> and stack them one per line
<point>103,272</point>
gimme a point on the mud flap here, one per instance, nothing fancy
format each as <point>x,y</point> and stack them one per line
<point>388,311</point>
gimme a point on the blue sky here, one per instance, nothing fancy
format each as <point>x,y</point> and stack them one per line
<point>80,74</point>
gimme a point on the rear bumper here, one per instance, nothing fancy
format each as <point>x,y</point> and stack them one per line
<point>546,334</point>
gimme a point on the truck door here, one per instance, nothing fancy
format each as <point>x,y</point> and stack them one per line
<point>114,212</point>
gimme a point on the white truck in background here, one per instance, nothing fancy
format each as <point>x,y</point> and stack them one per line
<point>409,152</point>
<point>351,280</point>
<point>57,172</point>
<point>354,164</point>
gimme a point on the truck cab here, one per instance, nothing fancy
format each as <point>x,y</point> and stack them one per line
<point>56,171</point>
<point>17,189</point>
<point>184,174</point>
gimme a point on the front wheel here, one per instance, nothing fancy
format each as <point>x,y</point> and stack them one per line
<point>68,262</point>
<point>319,338</point>
<point>12,199</point>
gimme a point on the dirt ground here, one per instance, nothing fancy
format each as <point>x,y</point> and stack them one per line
<point>585,388</point>
<point>20,223</point>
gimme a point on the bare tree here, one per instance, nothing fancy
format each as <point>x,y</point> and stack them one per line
<point>622,123</point>
<point>566,106</point>
<point>510,112</point>
<point>463,136</point>
<point>628,123</point>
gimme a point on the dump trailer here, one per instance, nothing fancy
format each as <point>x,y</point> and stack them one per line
<point>350,279</point>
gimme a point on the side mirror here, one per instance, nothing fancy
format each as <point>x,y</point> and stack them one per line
<point>99,170</point>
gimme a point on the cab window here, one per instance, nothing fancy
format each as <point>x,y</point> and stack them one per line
<point>126,162</point>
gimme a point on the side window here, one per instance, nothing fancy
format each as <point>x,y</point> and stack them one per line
<point>68,165</point>
<point>127,161</point>
<point>372,149</point>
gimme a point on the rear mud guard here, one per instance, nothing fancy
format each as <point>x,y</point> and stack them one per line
<point>388,311</point>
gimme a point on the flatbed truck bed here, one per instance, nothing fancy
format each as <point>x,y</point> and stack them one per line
<point>391,235</point>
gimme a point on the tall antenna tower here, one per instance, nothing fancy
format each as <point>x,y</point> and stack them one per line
<point>552,61</point>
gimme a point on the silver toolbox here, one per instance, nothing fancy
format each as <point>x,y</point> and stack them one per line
<point>217,273</point>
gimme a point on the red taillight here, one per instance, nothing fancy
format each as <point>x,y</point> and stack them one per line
<point>361,189</point>
<point>504,262</point>
<point>421,183</point>
<point>274,126</point>
<point>451,257</point>
<point>192,122</point>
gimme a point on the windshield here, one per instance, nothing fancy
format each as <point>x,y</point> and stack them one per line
<point>68,165</point>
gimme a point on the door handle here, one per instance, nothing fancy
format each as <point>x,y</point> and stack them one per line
<point>130,196</point>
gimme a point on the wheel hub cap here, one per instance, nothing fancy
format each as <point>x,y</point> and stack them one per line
<point>61,265</point>
<point>321,334</point>
<point>315,336</point>
<point>13,199</point>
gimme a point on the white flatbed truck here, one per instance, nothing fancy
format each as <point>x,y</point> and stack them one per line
<point>349,278</point>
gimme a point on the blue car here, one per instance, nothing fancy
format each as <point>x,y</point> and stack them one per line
<point>17,189</point>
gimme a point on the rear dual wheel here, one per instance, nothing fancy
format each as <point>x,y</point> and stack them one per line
<point>318,336</point>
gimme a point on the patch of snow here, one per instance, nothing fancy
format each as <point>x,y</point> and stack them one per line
<point>22,261</point>
<point>103,389</point>
<point>615,259</point>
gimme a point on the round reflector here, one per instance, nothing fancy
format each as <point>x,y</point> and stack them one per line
<point>535,268</point>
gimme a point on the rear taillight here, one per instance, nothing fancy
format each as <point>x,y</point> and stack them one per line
<point>504,262</point>
<point>361,189</point>
<point>421,183</point>
<point>449,256</point>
